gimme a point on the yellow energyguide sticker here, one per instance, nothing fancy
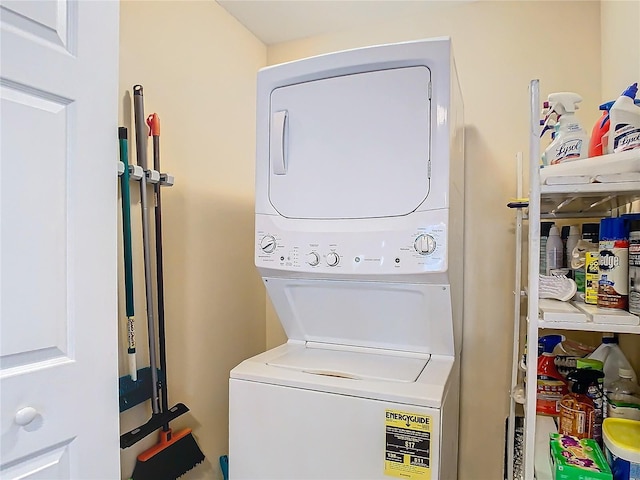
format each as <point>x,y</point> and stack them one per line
<point>408,445</point>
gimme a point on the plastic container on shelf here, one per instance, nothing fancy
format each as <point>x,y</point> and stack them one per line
<point>545,227</point>
<point>622,447</point>
<point>610,354</point>
<point>634,266</point>
<point>578,410</point>
<point>592,277</point>
<point>588,381</point>
<point>551,385</point>
<point>596,146</point>
<point>613,263</point>
<point>591,232</point>
<point>624,397</point>
<point>554,251</point>
<point>600,132</point>
<point>624,117</point>
<point>571,141</point>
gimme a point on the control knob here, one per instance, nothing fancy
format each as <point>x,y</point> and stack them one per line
<point>313,259</point>
<point>333,259</point>
<point>425,244</point>
<point>268,244</point>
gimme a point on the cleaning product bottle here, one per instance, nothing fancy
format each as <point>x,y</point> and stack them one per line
<point>571,141</point>
<point>624,118</point>
<point>624,398</point>
<point>551,386</point>
<point>589,375</point>
<point>545,227</point>
<point>564,235</point>
<point>634,266</point>
<point>577,410</point>
<point>610,354</point>
<point>600,133</point>
<point>591,232</point>
<point>554,252</point>
<point>613,263</point>
<point>596,148</point>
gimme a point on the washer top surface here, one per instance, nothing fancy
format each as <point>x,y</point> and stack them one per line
<point>352,365</point>
<point>353,371</point>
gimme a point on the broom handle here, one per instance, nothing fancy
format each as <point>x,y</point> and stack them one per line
<point>153,121</point>
<point>141,149</point>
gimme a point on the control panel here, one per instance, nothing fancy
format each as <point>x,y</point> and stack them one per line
<point>416,250</point>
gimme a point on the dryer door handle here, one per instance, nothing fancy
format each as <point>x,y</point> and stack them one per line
<point>278,142</point>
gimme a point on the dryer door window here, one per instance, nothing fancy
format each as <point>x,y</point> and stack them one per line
<point>355,146</point>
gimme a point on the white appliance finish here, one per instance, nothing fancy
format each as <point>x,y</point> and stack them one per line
<point>359,240</point>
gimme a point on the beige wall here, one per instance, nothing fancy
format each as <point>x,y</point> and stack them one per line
<point>198,65</point>
<point>620,44</point>
<point>499,48</point>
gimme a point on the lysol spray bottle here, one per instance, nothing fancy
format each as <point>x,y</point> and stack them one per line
<point>634,267</point>
<point>613,264</point>
<point>624,128</point>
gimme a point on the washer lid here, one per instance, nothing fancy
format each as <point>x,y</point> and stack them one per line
<point>353,365</point>
<point>351,146</point>
<point>403,317</point>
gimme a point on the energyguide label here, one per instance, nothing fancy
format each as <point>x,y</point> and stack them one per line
<point>408,445</point>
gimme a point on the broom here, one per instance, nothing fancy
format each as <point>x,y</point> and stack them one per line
<point>176,453</point>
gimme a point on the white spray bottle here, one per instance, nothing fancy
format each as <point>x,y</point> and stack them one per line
<point>571,141</point>
<point>624,115</point>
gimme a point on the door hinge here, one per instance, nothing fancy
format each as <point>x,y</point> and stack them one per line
<point>429,169</point>
<point>429,89</point>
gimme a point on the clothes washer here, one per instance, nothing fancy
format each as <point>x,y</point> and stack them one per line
<point>359,241</point>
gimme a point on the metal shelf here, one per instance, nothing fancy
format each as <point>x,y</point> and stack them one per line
<point>589,327</point>
<point>594,199</point>
<point>591,188</point>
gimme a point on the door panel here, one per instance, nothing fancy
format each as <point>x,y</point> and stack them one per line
<point>35,253</point>
<point>355,146</point>
<point>44,465</point>
<point>58,239</point>
<point>44,21</point>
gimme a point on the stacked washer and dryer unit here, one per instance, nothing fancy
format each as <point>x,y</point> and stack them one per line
<point>359,241</point>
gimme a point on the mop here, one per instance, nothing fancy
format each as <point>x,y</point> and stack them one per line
<point>126,243</point>
<point>175,453</point>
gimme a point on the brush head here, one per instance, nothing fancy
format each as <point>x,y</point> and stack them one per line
<point>556,287</point>
<point>169,459</point>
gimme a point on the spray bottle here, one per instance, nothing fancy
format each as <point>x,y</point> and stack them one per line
<point>571,141</point>
<point>624,127</point>
<point>551,386</point>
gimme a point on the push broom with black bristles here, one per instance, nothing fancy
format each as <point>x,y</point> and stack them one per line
<point>175,453</point>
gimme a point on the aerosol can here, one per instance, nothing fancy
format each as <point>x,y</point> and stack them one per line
<point>571,141</point>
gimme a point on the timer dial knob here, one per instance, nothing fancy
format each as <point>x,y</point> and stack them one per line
<point>425,244</point>
<point>333,259</point>
<point>268,244</point>
<point>313,259</point>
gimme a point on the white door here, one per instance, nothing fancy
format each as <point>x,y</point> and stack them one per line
<point>58,240</point>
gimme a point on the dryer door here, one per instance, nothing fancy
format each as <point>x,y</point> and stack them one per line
<point>355,146</point>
